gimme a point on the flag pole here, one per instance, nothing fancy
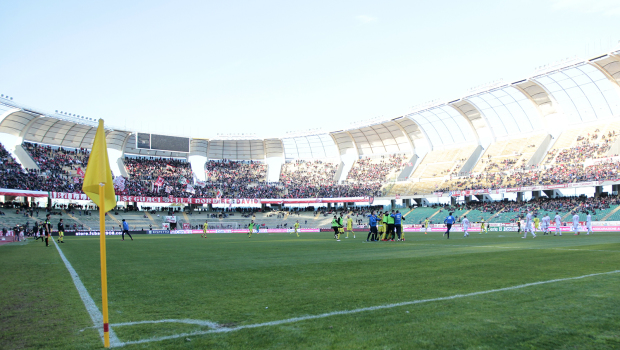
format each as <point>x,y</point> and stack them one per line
<point>104,272</point>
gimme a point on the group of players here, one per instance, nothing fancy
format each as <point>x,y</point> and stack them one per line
<point>388,226</point>
<point>385,227</point>
<point>43,231</point>
<point>533,224</point>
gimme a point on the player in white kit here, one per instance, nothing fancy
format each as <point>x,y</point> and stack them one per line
<point>589,223</point>
<point>465,226</point>
<point>576,224</point>
<point>546,221</point>
<point>558,223</point>
<point>529,226</point>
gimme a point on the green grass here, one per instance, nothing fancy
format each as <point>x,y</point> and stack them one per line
<point>235,281</point>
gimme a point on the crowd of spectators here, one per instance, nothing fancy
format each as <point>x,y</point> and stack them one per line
<point>302,172</point>
<point>13,176</point>
<point>315,179</point>
<point>376,170</point>
<point>57,160</point>
<point>553,175</point>
<point>588,146</point>
<point>298,179</point>
<point>226,170</point>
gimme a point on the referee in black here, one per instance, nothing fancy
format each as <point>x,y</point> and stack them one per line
<point>47,225</point>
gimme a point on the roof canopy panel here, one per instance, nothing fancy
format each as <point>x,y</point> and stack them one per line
<point>583,93</point>
<point>236,149</point>
<point>273,148</point>
<point>611,65</point>
<point>198,147</point>
<point>344,142</point>
<point>310,147</point>
<point>15,123</point>
<point>535,92</point>
<point>387,137</point>
<point>507,110</point>
<point>443,125</point>
<point>411,128</point>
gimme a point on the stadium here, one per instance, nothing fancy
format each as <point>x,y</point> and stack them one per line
<point>235,239</point>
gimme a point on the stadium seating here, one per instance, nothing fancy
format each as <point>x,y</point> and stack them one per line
<point>443,162</point>
<point>509,154</point>
<point>576,144</point>
<point>377,169</point>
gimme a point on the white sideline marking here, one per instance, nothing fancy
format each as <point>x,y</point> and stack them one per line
<point>89,303</point>
<point>218,329</point>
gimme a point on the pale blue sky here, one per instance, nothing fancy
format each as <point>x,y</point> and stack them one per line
<point>195,68</point>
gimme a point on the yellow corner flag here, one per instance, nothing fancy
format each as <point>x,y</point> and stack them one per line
<point>98,172</point>
<point>99,188</point>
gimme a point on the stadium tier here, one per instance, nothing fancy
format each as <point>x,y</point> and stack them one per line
<point>536,132</point>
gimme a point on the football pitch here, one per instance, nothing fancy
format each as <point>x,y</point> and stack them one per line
<point>277,291</point>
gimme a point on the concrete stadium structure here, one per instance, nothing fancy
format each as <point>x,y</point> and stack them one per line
<point>576,92</point>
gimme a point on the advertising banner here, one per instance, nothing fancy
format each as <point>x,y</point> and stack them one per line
<point>97,233</point>
<point>158,232</point>
<point>229,201</point>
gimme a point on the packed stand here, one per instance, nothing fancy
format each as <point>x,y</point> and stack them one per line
<point>57,160</point>
<point>315,179</point>
<point>53,179</point>
<point>226,170</point>
<point>588,146</point>
<point>374,170</point>
<point>558,174</point>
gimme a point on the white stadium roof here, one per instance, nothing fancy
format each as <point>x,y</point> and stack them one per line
<point>581,91</point>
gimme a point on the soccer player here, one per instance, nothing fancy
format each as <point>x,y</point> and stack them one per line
<point>350,226</point>
<point>519,225</point>
<point>205,227</point>
<point>335,227</point>
<point>546,221</point>
<point>588,223</point>
<point>381,227</point>
<point>576,224</point>
<point>384,220</point>
<point>449,220</point>
<point>35,230</point>
<point>536,223</point>
<point>426,226</point>
<point>47,226</point>
<point>125,230</point>
<point>250,228</point>
<point>465,226</point>
<point>397,223</point>
<point>372,222</point>
<point>558,222</point>
<point>390,226</point>
<point>529,227</point>
<point>61,232</point>
<point>341,229</point>
<point>297,228</point>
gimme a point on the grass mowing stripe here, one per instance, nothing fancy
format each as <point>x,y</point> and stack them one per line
<point>89,303</point>
<point>336,313</point>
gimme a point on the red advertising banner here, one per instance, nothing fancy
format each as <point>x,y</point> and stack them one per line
<point>228,201</point>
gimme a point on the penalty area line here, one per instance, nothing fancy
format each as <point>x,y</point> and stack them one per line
<point>334,313</point>
<point>88,301</point>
